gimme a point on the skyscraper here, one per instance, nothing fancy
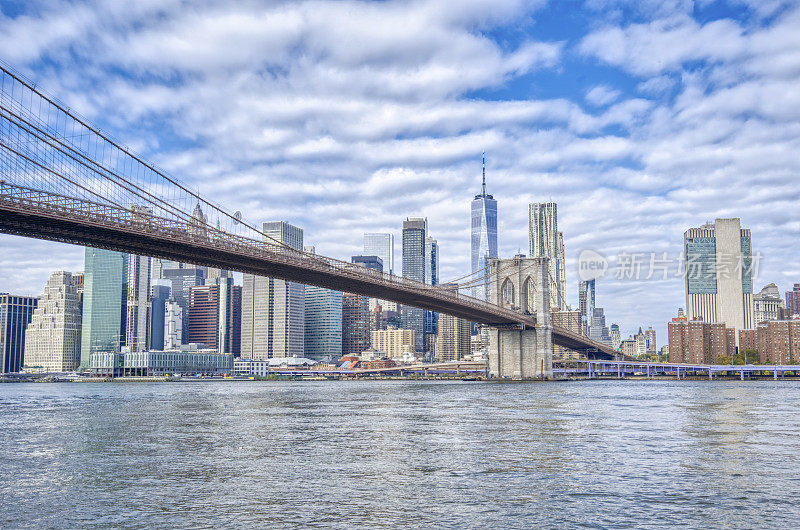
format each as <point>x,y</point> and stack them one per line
<point>138,318</point>
<point>15,314</point>
<point>381,245</point>
<point>598,330</point>
<point>544,243</point>
<point>273,310</point>
<point>323,331</point>
<point>793,301</point>
<point>483,241</point>
<point>215,316</point>
<point>53,338</point>
<point>173,325</point>
<point>105,293</point>
<point>431,277</point>
<point>355,313</point>
<point>414,266</point>
<point>182,280</point>
<point>719,276</point>
<point>159,295</point>
<point>453,340</point>
<point>586,303</point>
<point>562,273</point>
<point>616,336</point>
<point>355,324</point>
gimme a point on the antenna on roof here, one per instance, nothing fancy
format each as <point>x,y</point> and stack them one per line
<point>483,163</point>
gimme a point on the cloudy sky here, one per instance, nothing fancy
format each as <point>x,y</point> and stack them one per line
<point>640,118</point>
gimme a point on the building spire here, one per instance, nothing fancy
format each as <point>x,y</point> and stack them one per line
<point>483,162</point>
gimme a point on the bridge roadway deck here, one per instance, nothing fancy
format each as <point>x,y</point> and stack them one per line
<point>44,215</point>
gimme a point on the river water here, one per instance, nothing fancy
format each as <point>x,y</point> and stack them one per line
<point>400,453</point>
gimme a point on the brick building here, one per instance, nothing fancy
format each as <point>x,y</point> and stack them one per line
<point>779,342</point>
<point>698,342</point>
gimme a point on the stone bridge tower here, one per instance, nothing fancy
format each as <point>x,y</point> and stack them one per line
<point>521,352</point>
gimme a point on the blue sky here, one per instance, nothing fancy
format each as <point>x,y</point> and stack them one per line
<point>639,118</point>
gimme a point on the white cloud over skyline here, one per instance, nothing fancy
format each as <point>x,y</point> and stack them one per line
<point>347,117</point>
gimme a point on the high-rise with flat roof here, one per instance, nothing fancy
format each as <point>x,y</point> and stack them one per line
<point>431,277</point>
<point>586,303</point>
<point>215,316</point>
<point>159,295</point>
<point>453,341</point>
<point>719,274</point>
<point>138,318</point>
<point>173,325</point>
<point>695,341</point>
<point>544,242</point>
<point>323,311</point>
<point>393,342</point>
<point>381,245</point>
<point>355,324</point>
<point>53,338</point>
<point>483,235</point>
<point>414,267</point>
<point>273,310</point>
<point>370,262</point>
<point>793,301</point>
<point>105,293</point>
<point>15,314</point>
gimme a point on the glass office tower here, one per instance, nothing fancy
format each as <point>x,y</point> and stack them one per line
<point>105,293</point>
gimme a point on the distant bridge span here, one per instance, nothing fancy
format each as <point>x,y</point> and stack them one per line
<point>63,180</point>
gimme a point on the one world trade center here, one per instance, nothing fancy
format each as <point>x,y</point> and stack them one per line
<point>484,237</point>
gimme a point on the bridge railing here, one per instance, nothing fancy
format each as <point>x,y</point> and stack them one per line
<point>139,221</point>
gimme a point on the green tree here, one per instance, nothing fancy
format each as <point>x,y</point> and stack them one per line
<point>746,356</point>
<point>724,359</point>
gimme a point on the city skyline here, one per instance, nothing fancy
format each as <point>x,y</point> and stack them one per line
<point>588,144</point>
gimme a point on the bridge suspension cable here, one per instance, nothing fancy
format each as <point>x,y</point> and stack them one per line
<point>57,137</point>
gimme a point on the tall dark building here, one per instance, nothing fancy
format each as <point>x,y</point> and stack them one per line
<point>15,315</point>
<point>355,312</point>
<point>414,265</point>
<point>355,324</point>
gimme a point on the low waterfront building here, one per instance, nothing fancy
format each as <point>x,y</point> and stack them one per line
<point>187,360</point>
<point>261,367</point>
<point>377,364</point>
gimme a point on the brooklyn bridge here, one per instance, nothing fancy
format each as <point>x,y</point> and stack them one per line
<point>62,179</point>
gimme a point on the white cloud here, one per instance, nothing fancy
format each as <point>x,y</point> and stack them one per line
<point>602,95</point>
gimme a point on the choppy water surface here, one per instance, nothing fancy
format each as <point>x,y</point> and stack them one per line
<point>389,453</point>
